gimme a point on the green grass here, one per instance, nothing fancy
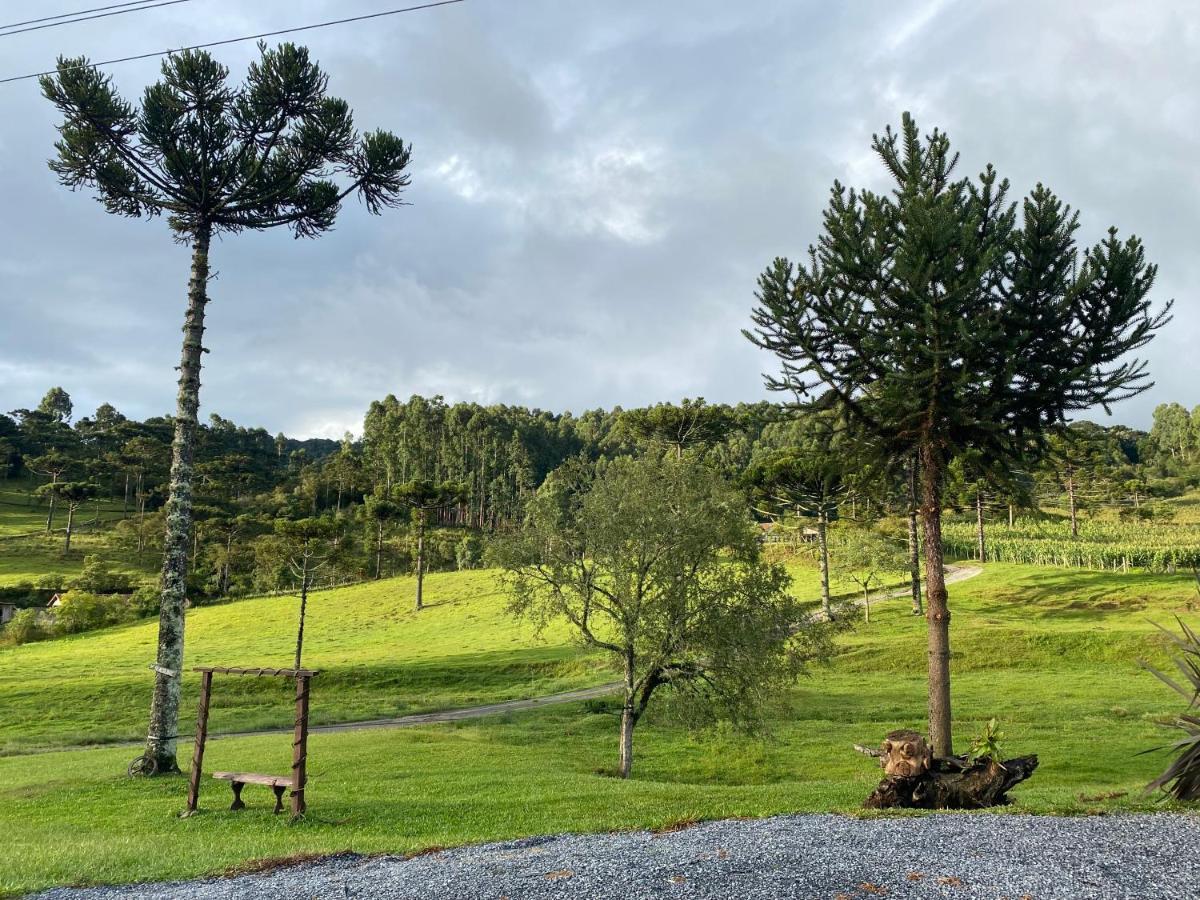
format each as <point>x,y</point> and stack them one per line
<point>1051,653</point>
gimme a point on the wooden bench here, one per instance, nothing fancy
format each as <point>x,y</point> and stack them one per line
<point>238,780</point>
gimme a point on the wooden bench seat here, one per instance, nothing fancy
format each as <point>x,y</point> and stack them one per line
<point>238,780</point>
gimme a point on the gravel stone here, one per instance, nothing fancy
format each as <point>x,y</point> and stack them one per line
<point>949,857</point>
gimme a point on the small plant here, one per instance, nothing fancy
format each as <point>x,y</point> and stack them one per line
<point>986,744</point>
<point>1182,777</point>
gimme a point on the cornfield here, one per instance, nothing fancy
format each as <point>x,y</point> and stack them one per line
<point>1100,545</point>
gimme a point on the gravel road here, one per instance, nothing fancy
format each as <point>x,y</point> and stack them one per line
<point>808,856</point>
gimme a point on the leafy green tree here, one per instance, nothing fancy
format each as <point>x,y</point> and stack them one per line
<point>1172,431</point>
<point>423,497</point>
<point>380,510</point>
<point>867,558</point>
<point>307,543</point>
<point>656,562</point>
<point>214,158</point>
<point>56,405</point>
<point>808,483</point>
<point>939,317</point>
<point>693,423</point>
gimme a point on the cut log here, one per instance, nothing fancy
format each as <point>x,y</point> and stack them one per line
<point>916,779</point>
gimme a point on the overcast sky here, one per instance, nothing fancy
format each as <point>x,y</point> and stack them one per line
<point>596,185</point>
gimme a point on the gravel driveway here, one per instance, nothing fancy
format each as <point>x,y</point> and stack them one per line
<point>807,856</point>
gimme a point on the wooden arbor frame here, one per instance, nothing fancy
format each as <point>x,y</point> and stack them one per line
<point>299,740</point>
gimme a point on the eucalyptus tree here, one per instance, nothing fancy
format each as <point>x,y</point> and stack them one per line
<point>215,159</point>
<point>939,317</point>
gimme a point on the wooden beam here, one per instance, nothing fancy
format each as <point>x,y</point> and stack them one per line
<point>300,747</point>
<point>201,737</point>
<point>270,673</point>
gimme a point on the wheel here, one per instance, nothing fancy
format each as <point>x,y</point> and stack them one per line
<point>142,767</point>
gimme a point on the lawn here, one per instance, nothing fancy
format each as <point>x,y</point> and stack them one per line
<point>1051,653</point>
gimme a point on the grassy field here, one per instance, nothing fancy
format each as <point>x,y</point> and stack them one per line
<point>1052,654</point>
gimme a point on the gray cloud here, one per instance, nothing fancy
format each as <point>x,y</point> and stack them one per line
<point>596,187</point>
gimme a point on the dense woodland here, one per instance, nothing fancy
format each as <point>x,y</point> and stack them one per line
<point>106,472</point>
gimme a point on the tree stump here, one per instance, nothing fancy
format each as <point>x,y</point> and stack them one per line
<point>915,779</point>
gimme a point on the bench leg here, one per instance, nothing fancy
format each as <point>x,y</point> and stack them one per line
<point>279,789</point>
<point>237,795</point>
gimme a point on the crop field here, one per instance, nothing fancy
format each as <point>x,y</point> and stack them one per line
<point>1100,545</point>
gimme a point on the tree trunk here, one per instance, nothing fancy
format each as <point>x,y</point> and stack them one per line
<point>70,523</point>
<point>50,515</point>
<point>164,708</point>
<point>979,526</point>
<point>379,551</point>
<point>914,544</point>
<point>303,609</point>
<point>867,605</point>
<point>420,557</point>
<point>125,503</point>
<point>823,552</point>
<point>938,612</point>
<point>952,784</point>
<point>1071,498</point>
<point>1011,515</point>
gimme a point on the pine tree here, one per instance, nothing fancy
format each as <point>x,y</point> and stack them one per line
<point>940,317</point>
<point>214,159</point>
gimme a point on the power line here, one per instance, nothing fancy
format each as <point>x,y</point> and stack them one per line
<point>249,37</point>
<point>103,15</point>
<point>81,12</point>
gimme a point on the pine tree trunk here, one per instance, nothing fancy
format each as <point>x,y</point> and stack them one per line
<point>303,609</point>
<point>979,526</point>
<point>823,552</point>
<point>938,612</point>
<point>125,503</point>
<point>50,515</point>
<point>379,551</point>
<point>164,709</point>
<point>1071,498</point>
<point>1011,515</point>
<point>70,524</point>
<point>420,557</point>
<point>914,544</point>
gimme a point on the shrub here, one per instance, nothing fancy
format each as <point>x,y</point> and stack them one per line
<point>1182,777</point>
<point>82,611</point>
<point>96,578</point>
<point>468,554</point>
<point>25,626</point>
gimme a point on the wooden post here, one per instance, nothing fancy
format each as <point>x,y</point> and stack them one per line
<point>201,736</point>
<point>300,747</point>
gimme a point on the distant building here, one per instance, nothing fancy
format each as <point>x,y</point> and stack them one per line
<point>7,611</point>
<point>55,602</point>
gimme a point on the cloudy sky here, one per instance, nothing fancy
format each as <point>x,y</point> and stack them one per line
<point>595,187</point>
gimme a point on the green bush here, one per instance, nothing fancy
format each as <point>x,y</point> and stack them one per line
<point>97,578</point>
<point>25,626</point>
<point>83,611</point>
<point>468,554</point>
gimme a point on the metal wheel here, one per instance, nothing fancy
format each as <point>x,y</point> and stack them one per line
<point>142,767</point>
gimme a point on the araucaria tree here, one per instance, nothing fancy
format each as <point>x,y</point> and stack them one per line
<point>656,562</point>
<point>214,158</point>
<point>939,317</point>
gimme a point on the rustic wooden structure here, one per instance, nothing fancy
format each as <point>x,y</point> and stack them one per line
<point>916,779</point>
<point>278,783</point>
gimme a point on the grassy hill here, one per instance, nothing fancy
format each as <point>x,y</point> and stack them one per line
<point>1051,653</point>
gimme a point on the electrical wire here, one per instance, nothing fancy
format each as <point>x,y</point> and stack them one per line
<point>81,12</point>
<point>249,37</point>
<point>102,15</point>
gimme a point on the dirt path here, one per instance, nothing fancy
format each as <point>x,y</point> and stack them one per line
<point>954,574</point>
